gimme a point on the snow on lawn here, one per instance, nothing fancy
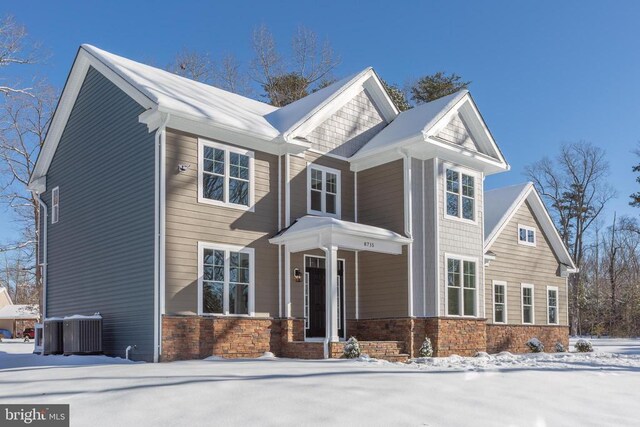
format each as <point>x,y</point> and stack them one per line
<point>596,389</point>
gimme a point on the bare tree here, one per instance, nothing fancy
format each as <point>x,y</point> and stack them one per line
<point>574,187</point>
<point>15,49</point>
<point>193,65</point>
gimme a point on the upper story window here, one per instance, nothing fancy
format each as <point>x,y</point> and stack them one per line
<point>323,191</point>
<point>552,305</point>
<point>461,287</point>
<point>225,175</point>
<point>55,205</point>
<point>226,277</point>
<point>527,303</point>
<point>526,235</point>
<point>460,195</point>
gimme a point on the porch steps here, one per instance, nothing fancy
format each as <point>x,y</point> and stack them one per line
<point>392,351</point>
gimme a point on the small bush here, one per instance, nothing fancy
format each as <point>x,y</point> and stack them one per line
<point>583,346</point>
<point>559,348</point>
<point>535,345</point>
<point>352,349</point>
<point>426,350</point>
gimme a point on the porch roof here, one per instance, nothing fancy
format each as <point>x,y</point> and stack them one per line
<point>313,232</point>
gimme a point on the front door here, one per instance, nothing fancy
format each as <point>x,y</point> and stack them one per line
<point>315,297</point>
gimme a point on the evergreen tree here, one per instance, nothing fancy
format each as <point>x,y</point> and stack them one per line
<point>434,86</point>
<point>397,96</point>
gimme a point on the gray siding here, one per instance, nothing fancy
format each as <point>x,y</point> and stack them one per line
<point>101,252</point>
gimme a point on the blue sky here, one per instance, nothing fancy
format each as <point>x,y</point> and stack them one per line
<point>543,72</point>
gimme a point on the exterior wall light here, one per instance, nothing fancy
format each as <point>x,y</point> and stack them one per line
<point>297,275</point>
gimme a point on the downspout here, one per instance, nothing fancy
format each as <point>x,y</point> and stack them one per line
<point>408,224</point>
<point>43,243</point>
<point>160,142</point>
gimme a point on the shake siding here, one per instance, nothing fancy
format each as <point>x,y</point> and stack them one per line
<point>188,222</point>
<point>347,130</point>
<point>430,256</point>
<point>298,185</point>
<point>460,238</point>
<point>457,133</point>
<point>101,252</point>
<point>516,264</point>
<point>417,208</point>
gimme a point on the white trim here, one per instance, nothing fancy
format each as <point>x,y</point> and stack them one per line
<point>502,283</point>
<point>287,282</point>
<point>408,227</point>
<point>160,204</point>
<point>279,228</point>
<point>556,289</point>
<point>323,197</point>
<point>327,154</point>
<point>287,191</point>
<point>356,282</point>
<point>424,244</point>
<point>252,267</point>
<point>55,205</point>
<point>436,216</point>
<point>461,258</point>
<point>227,176</point>
<point>527,229</point>
<point>533,303</point>
<point>461,171</point>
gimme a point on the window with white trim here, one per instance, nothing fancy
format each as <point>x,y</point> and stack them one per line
<point>323,191</point>
<point>499,302</point>
<point>226,175</point>
<point>526,235</point>
<point>460,195</point>
<point>55,205</point>
<point>461,287</point>
<point>527,304</point>
<point>552,305</point>
<point>226,279</point>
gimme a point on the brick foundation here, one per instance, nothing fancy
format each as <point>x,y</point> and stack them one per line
<point>464,337</point>
<point>513,338</point>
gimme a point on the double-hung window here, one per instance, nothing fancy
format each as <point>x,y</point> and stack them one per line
<point>323,193</point>
<point>226,279</point>
<point>460,195</point>
<point>461,287</point>
<point>526,235</point>
<point>499,302</point>
<point>226,175</point>
<point>552,305</point>
<point>55,205</point>
<point>527,303</point>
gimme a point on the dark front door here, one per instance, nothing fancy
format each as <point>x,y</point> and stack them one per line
<point>316,276</point>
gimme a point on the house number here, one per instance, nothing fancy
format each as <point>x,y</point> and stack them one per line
<point>369,245</point>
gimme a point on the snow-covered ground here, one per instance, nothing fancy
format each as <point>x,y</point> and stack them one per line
<point>599,389</point>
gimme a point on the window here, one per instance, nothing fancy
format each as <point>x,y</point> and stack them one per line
<point>552,305</point>
<point>460,195</point>
<point>527,303</point>
<point>499,302</point>
<point>526,235</point>
<point>225,175</point>
<point>225,279</point>
<point>55,205</point>
<point>323,191</point>
<point>461,287</point>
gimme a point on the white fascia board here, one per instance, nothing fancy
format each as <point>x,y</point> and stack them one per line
<point>384,155</point>
<point>72,87</point>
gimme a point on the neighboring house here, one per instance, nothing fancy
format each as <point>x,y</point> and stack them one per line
<point>200,222</point>
<point>16,317</point>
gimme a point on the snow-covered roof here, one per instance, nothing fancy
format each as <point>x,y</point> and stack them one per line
<point>501,204</point>
<point>19,311</point>
<point>412,123</point>
<point>182,96</point>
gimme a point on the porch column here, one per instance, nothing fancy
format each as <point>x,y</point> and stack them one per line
<point>331,292</point>
<point>287,282</point>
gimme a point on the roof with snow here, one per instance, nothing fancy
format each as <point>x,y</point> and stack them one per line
<point>501,204</point>
<point>19,311</point>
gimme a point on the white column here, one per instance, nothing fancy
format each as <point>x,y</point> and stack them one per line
<point>331,292</point>
<point>287,282</point>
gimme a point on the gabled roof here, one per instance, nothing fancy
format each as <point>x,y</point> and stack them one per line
<point>416,129</point>
<point>501,205</point>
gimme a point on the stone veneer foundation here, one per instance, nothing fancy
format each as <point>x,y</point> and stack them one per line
<point>197,337</point>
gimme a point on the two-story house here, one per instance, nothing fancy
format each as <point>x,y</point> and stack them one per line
<point>201,222</point>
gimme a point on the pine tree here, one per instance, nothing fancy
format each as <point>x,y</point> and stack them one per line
<point>434,86</point>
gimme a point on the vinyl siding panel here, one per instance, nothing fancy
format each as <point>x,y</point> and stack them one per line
<point>382,288</point>
<point>189,222</point>
<point>381,196</point>
<point>101,252</point>
<point>517,264</point>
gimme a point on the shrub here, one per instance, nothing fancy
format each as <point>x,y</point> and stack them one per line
<point>352,349</point>
<point>535,345</point>
<point>559,348</point>
<point>426,350</point>
<point>583,346</point>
